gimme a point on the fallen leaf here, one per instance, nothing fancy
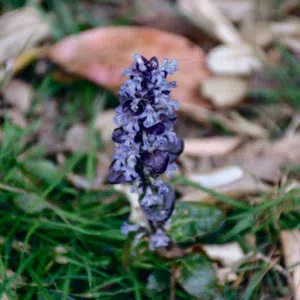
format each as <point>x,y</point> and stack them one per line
<point>16,117</point>
<point>225,275</point>
<point>195,112</point>
<point>257,32</point>
<point>237,123</point>
<point>289,26</point>
<point>240,125</point>
<point>77,138</point>
<point>267,10</point>
<point>218,177</point>
<point>233,60</point>
<point>247,185</point>
<point>290,241</point>
<point>165,16</point>
<point>287,32</point>
<point>266,160</point>
<point>224,91</point>
<point>244,186</point>
<point>288,148</point>
<point>19,94</point>
<point>105,125</point>
<point>101,55</point>
<point>21,29</point>
<point>236,10</point>
<point>228,254</point>
<point>207,16</point>
<point>267,168</point>
<point>47,130</point>
<point>212,146</point>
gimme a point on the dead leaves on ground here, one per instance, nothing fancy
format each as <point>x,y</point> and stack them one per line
<point>231,181</point>
<point>224,91</point>
<point>214,146</point>
<point>102,54</point>
<point>290,241</point>
<point>20,30</point>
<point>18,95</point>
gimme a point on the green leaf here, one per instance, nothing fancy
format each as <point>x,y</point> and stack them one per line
<point>30,203</point>
<point>192,220</point>
<point>157,282</point>
<point>197,276</point>
<point>44,169</point>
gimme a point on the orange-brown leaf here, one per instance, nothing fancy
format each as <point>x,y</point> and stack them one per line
<point>101,54</point>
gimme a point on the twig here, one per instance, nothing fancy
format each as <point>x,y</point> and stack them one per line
<point>173,282</point>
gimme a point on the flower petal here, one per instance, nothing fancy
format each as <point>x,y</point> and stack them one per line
<point>156,161</point>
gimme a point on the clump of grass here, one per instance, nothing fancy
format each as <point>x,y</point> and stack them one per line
<point>284,79</point>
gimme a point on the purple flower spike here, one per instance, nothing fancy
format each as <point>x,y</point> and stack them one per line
<point>146,143</point>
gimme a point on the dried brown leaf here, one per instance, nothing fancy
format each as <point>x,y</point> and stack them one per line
<point>195,112</point>
<point>47,136</point>
<point>265,160</point>
<point>104,124</point>
<point>236,10</point>
<point>218,177</point>
<point>225,275</point>
<point>257,32</point>
<point>17,118</point>
<point>209,17</point>
<point>267,167</point>
<point>288,148</point>
<point>76,139</point>
<point>290,241</point>
<point>228,254</point>
<point>238,124</point>
<point>212,146</point>
<point>21,29</point>
<point>288,33</point>
<point>164,15</point>
<point>224,91</point>
<point>19,94</point>
<point>244,186</point>
<point>234,60</point>
<point>235,122</point>
<point>101,55</point>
